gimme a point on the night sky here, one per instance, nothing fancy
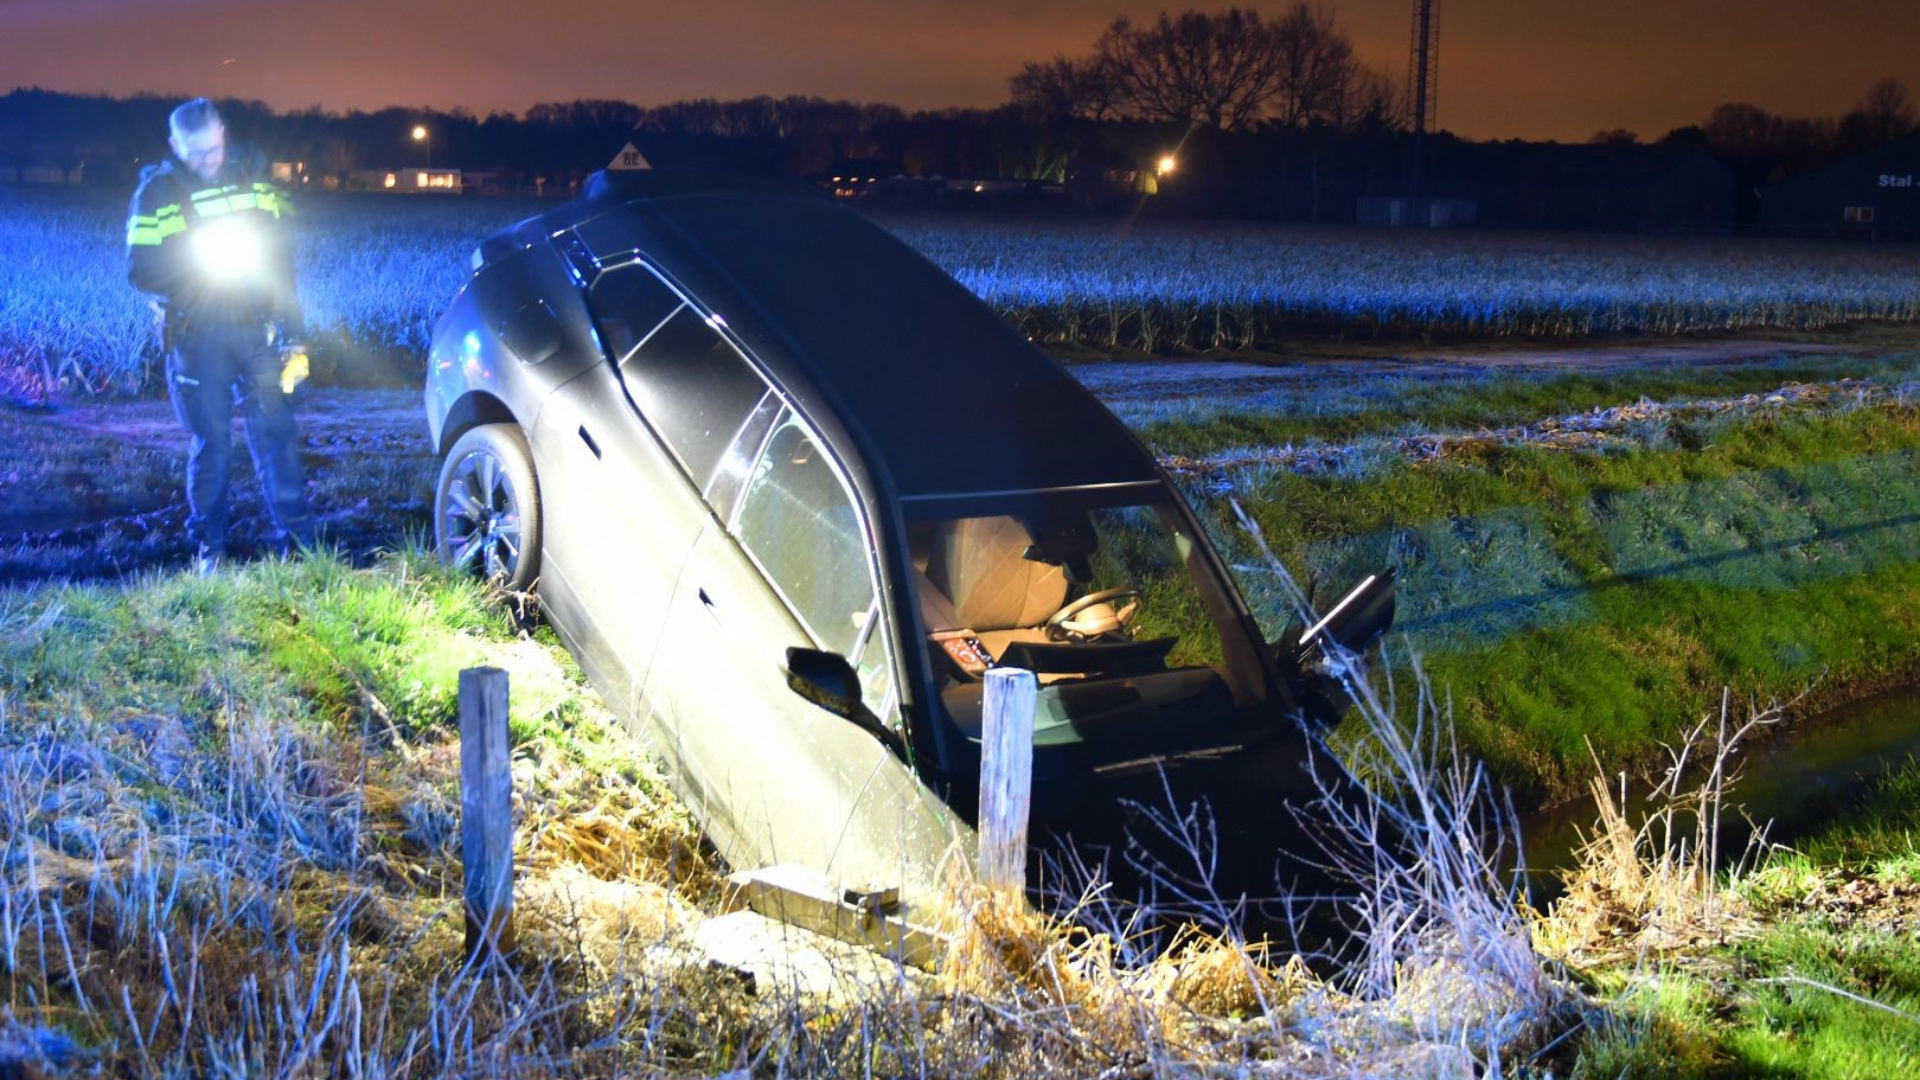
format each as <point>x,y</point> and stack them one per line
<point>1509,68</point>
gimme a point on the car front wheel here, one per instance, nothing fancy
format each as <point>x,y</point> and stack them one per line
<point>486,507</point>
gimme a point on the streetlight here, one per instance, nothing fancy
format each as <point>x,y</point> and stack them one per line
<point>422,135</point>
<point>1167,164</point>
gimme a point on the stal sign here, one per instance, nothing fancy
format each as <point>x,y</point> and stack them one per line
<point>1888,180</point>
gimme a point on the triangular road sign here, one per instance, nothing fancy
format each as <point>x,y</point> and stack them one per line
<point>628,159</point>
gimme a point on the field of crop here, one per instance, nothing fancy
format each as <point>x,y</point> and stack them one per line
<point>1159,287</point>
<point>376,271</point>
<point>373,277</point>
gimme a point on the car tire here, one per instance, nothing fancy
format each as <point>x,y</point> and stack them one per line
<point>486,507</point>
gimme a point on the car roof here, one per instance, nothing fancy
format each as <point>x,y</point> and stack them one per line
<point>917,370</point>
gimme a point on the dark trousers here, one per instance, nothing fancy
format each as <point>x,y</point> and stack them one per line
<point>211,371</point>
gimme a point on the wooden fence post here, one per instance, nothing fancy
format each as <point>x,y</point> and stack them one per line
<point>1006,777</point>
<point>486,809</point>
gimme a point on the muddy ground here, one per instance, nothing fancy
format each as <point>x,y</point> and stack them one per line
<point>1122,379</point>
<point>94,490</point>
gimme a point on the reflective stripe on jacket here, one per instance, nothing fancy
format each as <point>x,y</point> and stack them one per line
<point>152,229</point>
<point>169,200</point>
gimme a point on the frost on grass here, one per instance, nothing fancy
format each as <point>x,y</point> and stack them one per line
<point>375,274</point>
<point>204,876</point>
<point>1771,529</point>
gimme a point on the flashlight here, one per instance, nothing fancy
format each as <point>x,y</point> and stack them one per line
<point>294,369</point>
<point>228,248</point>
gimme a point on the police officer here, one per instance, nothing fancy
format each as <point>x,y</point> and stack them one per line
<point>208,238</point>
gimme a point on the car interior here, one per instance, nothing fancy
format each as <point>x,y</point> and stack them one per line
<point>1006,591</point>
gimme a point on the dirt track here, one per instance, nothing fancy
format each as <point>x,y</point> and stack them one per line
<point>1144,378</point>
<point>94,490</point>
<point>329,419</point>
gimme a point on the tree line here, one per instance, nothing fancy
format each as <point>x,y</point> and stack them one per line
<point>1884,112</point>
<point>1249,90</point>
<point>1231,71</point>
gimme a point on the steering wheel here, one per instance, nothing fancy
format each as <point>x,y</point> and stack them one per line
<point>1058,624</point>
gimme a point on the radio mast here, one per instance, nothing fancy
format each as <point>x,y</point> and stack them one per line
<point>1423,82</point>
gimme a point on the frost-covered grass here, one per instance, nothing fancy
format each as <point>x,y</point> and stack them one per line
<point>377,270</point>
<point>231,811</point>
<point>1159,286</point>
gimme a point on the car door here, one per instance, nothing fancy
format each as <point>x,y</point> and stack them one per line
<point>630,446</point>
<point>775,778</point>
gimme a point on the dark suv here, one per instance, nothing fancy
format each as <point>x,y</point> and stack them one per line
<point>762,457</point>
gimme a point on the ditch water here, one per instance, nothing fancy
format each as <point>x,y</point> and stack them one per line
<point>1793,784</point>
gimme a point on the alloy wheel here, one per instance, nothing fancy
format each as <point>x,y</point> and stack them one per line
<point>482,518</point>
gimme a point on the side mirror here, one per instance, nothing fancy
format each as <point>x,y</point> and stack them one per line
<point>532,331</point>
<point>824,678</point>
<point>829,681</point>
<point>1359,620</point>
<point>1361,617</point>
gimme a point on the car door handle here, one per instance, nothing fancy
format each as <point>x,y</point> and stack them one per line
<point>588,439</point>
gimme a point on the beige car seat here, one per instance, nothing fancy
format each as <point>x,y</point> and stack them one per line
<point>977,577</point>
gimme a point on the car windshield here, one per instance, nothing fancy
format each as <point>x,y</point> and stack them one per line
<point>1081,594</point>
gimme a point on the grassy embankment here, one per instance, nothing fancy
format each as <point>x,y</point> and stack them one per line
<point>1590,585</point>
<point>230,813</point>
<point>1566,590</point>
<point>1581,588</point>
<point>230,809</point>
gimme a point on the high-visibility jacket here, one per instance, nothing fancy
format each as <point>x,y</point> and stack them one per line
<point>171,202</point>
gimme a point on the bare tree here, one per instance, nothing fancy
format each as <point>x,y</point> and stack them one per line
<point>1737,128</point>
<point>1887,109</point>
<point>1741,130</point>
<point>1369,99</point>
<point>1315,66</point>
<point>1218,70</point>
<point>1063,89</point>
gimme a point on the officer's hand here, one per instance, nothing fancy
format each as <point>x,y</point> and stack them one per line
<point>294,367</point>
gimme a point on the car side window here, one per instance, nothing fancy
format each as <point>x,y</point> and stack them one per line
<point>693,387</point>
<point>798,522</point>
<point>629,302</point>
<point>736,465</point>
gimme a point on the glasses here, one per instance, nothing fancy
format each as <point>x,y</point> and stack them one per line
<point>203,147</point>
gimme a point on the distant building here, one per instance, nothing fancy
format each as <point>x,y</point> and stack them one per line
<point>1423,213</point>
<point>1872,194</point>
<point>43,173</point>
<point>406,181</point>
